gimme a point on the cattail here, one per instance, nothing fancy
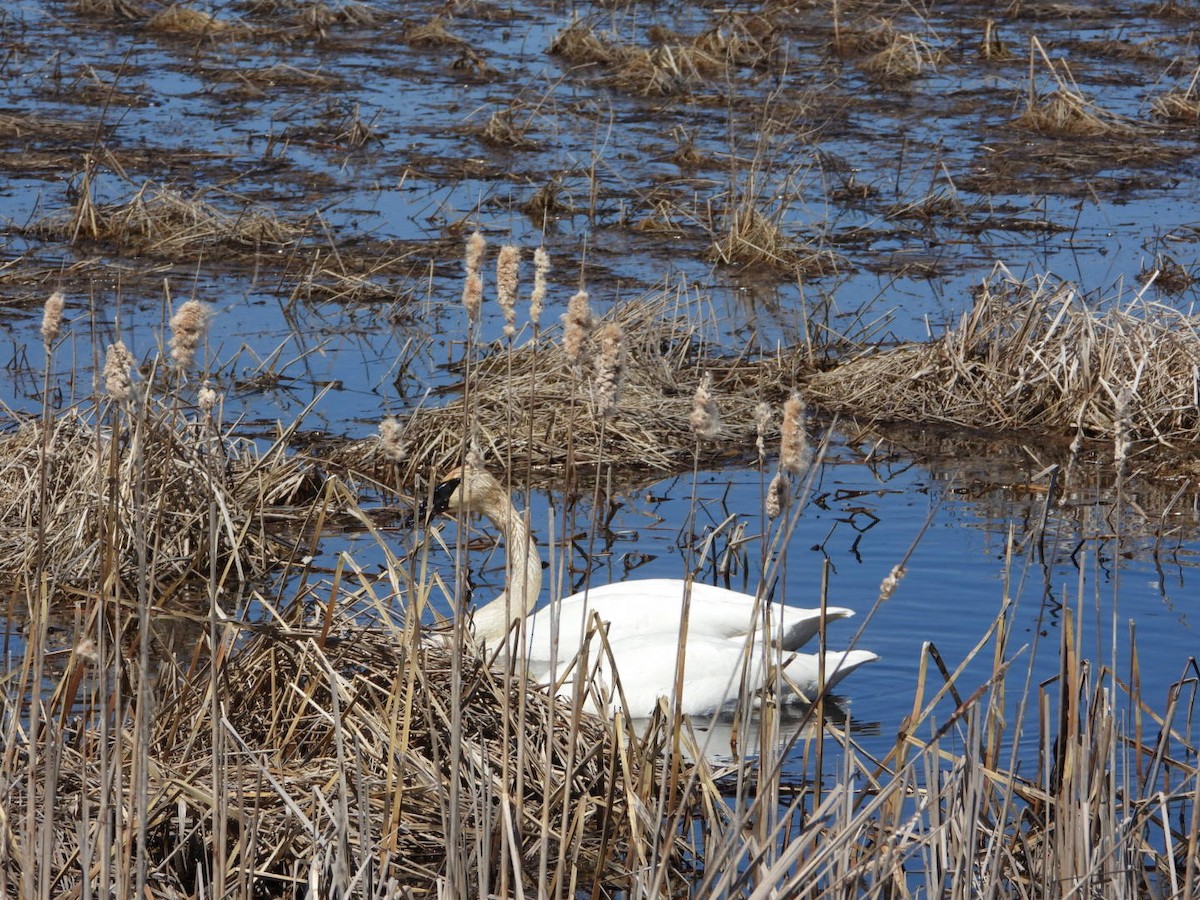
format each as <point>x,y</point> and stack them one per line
<point>86,651</point>
<point>762,416</point>
<point>52,316</point>
<point>541,268</point>
<point>1121,427</point>
<point>577,327</point>
<point>188,327</point>
<point>206,397</point>
<point>473,289</point>
<point>887,587</point>
<point>117,363</point>
<point>778,495</point>
<point>705,418</point>
<point>793,437</point>
<point>391,439</point>
<point>610,368</point>
<point>508,265</point>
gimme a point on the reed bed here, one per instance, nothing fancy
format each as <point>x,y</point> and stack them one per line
<point>1034,356</point>
<point>106,487</point>
<point>319,762</point>
<point>162,222</point>
<point>534,404</point>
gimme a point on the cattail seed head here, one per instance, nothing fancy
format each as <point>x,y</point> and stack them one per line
<point>206,397</point>
<point>188,327</point>
<point>117,362</point>
<point>1122,425</point>
<point>887,587</point>
<point>541,268</point>
<point>577,327</point>
<point>793,437</point>
<point>391,439</point>
<point>52,316</point>
<point>473,288</point>
<point>508,266</point>
<point>705,418</point>
<point>476,245</point>
<point>778,495</point>
<point>762,420</point>
<point>610,368</point>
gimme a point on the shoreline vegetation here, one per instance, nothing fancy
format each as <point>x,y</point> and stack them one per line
<point>197,702</point>
<point>279,746</point>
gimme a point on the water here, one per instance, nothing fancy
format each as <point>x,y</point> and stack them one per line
<point>394,210</point>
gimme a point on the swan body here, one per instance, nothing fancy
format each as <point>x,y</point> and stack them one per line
<point>652,609</point>
<point>635,673</point>
<point>725,646</point>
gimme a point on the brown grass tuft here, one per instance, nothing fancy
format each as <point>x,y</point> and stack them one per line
<point>906,57</point>
<point>162,222</point>
<point>186,21</point>
<point>123,10</point>
<point>432,35</point>
<point>106,491</point>
<point>1032,356</point>
<point>1066,113</point>
<point>1178,106</point>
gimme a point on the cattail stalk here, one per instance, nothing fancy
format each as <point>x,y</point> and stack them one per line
<point>762,417</point>
<point>206,397</point>
<point>793,438</point>
<point>473,289</point>
<point>705,417</point>
<point>610,368</point>
<point>1122,426</point>
<point>778,495</point>
<point>537,300</point>
<point>52,316</point>
<point>188,327</point>
<point>391,439</point>
<point>508,265</point>
<point>117,362</point>
<point>577,327</point>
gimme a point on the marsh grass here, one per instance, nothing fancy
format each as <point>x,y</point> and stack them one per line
<point>161,221</point>
<point>336,738</point>
<point>674,63</point>
<point>1064,111</point>
<point>905,57</point>
<point>1033,356</point>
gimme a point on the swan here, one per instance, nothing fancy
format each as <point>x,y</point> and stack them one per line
<point>723,647</point>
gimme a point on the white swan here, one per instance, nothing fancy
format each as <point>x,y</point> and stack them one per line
<point>723,648</point>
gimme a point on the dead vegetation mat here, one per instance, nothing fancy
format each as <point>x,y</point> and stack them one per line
<point>340,764</point>
<point>1030,357</point>
<point>1034,356</point>
<point>531,406</point>
<point>155,496</point>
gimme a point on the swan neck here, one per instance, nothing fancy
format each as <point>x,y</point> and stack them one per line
<point>524,564</point>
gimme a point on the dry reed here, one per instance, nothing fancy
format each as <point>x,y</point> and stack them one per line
<point>1032,356</point>
<point>162,222</point>
<point>164,479</point>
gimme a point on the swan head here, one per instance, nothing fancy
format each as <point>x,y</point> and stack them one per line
<point>466,489</point>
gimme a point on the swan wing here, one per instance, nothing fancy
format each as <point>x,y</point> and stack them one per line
<point>654,606</point>
<point>635,672</point>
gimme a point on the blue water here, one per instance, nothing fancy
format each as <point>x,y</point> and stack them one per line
<point>426,172</point>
